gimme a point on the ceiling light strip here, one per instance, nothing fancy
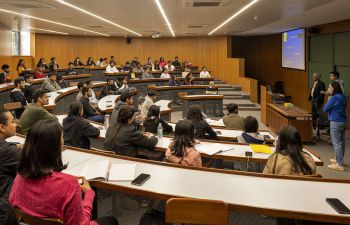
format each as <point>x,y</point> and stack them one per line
<point>51,31</point>
<point>98,17</point>
<point>233,16</point>
<point>50,21</point>
<point>165,17</point>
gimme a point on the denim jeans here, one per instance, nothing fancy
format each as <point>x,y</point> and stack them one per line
<point>97,118</point>
<point>338,140</point>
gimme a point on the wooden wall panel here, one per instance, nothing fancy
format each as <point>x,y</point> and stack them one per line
<point>6,45</point>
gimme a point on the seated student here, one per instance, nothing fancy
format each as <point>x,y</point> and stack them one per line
<point>200,125</point>
<point>99,62</point>
<point>176,62</point>
<point>212,89</point>
<point>76,130</point>
<point>126,67</point>
<point>185,72</point>
<point>77,62</point>
<point>28,87</point>
<point>147,74</point>
<point>21,68</point>
<point>41,189</point>
<point>108,89</point>
<point>165,74</point>
<point>42,64</point>
<point>173,81</point>
<point>35,111</point>
<point>93,100</point>
<point>9,157</point>
<point>105,62</point>
<point>189,79</point>
<point>80,86</point>
<point>89,112</point>
<point>90,62</point>
<point>50,84</point>
<point>149,63</point>
<point>181,150</point>
<point>138,68</point>
<point>123,138</point>
<point>204,73</point>
<point>70,70</point>
<point>17,95</point>
<point>153,120</point>
<point>251,134</point>
<point>39,73</point>
<point>126,99</point>
<point>123,86</point>
<point>162,63</point>
<point>149,101</point>
<point>156,66</point>
<point>289,158</point>
<point>135,61</point>
<point>61,82</point>
<point>232,120</point>
<point>169,66</point>
<point>53,64</point>
<point>111,68</point>
<point>4,75</point>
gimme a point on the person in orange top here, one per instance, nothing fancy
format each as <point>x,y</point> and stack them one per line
<point>181,150</point>
<point>21,68</point>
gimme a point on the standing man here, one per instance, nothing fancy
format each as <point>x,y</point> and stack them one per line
<point>316,97</point>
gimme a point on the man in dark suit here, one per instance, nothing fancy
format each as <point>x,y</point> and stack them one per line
<point>316,97</point>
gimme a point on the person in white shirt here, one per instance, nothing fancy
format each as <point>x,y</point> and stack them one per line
<point>93,100</point>
<point>165,74</point>
<point>185,72</point>
<point>112,68</point>
<point>169,66</point>
<point>204,73</point>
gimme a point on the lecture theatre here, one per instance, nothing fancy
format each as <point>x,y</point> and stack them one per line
<point>160,112</point>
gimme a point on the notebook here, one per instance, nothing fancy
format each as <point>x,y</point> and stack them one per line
<point>104,170</point>
<point>261,148</point>
<point>212,148</point>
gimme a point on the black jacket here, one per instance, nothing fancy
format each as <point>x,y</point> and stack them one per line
<point>152,126</point>
<point>77,132</point>
<point>317,96</point>
<point>108,90</point>
<point>18,96</point>
<point>88,110</point>
<point>9,158</point>
<point>128,141</point>
<point>2,78</point>
<point>202,128</point>
<point>28,92</point>
<point>71,71</point>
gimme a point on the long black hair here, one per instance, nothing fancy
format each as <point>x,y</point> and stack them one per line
<point>195,113</point>
<point>251,125</point>
<point>75,109</point>
<point>20,61</point>
<point>336,88</point>
<point>41,153</point>
<point>289,143</point>
<point>153,114</point>
<point>184,137</point>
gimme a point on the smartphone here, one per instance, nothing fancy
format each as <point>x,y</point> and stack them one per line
<point>218,132</point>
<point>338,205</point>
<point>140,179</point>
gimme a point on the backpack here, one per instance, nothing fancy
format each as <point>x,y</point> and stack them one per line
<point>153,217</point>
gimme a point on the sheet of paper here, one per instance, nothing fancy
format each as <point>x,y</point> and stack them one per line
<point>212,148</point>
<point>97,170</point>
<point>122,172</point>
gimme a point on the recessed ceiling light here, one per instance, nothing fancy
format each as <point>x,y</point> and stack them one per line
<point>165,17</point>
<point>50,21</point>
<point>51,31</point>
<point>96,16</point>
<point>233,16</point>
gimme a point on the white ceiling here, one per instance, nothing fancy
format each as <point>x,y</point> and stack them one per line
<point>143,16</point>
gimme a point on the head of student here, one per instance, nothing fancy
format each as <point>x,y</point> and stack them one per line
<point>289,143</point>
<point>89,83</point>
<point>89,59</point>
<point>80,85</point>
<point>112,63</point>
<point>19,83</point>
<point>77,59</point>
<point>40,97</point>
<point>52,76</point>
<point>316,76</point>
<point>29,78</point>
<point>125,117</point>
<point>334,75</point>
<point>176,58</point>
<point>232,108</point>
<point>204,68</point>
<point>20,63</point>
<point>152,95</point>
<point>110,81</point>
<point>127,97</point>
<point>86,91</point>
<point>161,59</point>
<point>153,112</point>
<point>42,151</point>
<point>53,60</point>
<point>41,61</point>
<point>5,68</point>
<point>195,113</point>
<point>173,77</point>
<point>335,88</point>
<point>212,84</point>
<point>189,76</point>
<point>125,80</point>
<point>76,109</point>
<point>251,125</point>
<point>70,65</point>
<point>7,124</point>
<point>60,79</point>
<point>184,137</point>
<point>166,71</point>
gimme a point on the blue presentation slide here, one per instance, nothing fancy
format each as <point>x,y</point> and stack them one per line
<point>293,49</point>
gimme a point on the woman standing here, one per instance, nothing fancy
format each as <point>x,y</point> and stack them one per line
<point>336,108</point>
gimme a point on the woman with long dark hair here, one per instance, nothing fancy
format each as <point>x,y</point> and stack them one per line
<point>40,188</point>
<point>21,68</point>
<point>251,134</point>
<point>90,62</point>
<point>202,128</point>
<point>336,108</point>
<point>123,138</point>
<point>153,120</point>
<point>181,150</point>
<point>289,157</point>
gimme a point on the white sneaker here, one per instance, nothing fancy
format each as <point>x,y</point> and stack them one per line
<point>333,161</point>
<point>336,166</point>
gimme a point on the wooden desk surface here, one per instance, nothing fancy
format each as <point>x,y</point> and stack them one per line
<point>290,112</point>
<point>181,87</point>
<point>201,97</point>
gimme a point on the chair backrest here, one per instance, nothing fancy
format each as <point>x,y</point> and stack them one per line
<point>196,211</point>
<point>22,217</point>
<point>12,106</point>
<point>73,84</point>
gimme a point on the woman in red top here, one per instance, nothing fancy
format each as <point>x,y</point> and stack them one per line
<point>39,72</point>
<point>162,62</point>
<point>40,188</point>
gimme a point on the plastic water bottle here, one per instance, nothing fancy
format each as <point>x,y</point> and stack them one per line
<point>107,121</point>
<point>160,130</point>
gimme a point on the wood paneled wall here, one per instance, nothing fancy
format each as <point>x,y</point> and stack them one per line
<point>6,45</point>
<point>209,51</point>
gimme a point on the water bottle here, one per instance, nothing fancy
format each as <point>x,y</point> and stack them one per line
<point>107,121</point>
<point>160,130</point>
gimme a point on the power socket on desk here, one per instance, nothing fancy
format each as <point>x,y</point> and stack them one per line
<point>248,154</point>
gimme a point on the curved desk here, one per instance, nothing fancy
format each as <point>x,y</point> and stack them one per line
<point>172,92</point>
<point>211,105</point>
